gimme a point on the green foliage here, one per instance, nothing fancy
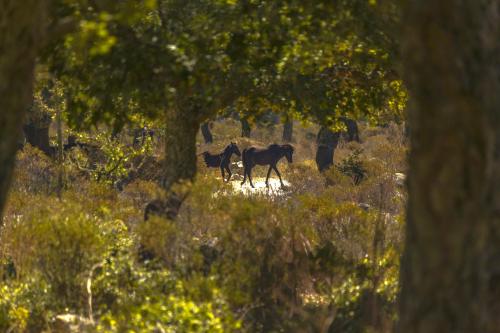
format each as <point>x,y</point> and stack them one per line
<point>352,166</point>
<point>137,299</point>
<point>315,60</point>
<point>62,244</point>
<point>61,249</point>
<point>109,160</point>
<point>23,306</point>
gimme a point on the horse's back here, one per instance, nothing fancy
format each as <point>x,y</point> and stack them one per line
<point>260,156</point>
<point>211,161</point>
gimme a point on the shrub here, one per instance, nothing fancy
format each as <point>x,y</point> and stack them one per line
<point>61,244</point>
<point>23,306</point>
<point>134,298</point>
<point>353,167</point>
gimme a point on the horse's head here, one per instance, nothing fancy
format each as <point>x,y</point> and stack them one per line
<point>288,151</point>
<point>235,149</point>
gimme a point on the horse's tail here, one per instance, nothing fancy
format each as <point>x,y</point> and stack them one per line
<point>206,158</point>
<point>244,157</point>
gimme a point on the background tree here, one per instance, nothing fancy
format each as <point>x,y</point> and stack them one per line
<point>207,134</point>
<point>288,129</point>
<point>449,279</point>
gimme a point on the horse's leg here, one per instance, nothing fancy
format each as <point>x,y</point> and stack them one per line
<point>250,177</point>
<point>278,173</point>
<point>268,175</point>
<point>245,170</point>
<point>229,173</point>
<point>222,172</point>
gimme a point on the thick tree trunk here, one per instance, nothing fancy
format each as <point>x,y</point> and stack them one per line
<point>21,29</point>
<point>327,141</point>
<point>207,134</point>
<point>452,71</point>
<point>288,130</point>
<point>180,163</point>
<point>246,129</point>
<point>180,148</point>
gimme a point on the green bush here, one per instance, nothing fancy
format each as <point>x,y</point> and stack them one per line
<point>23,306</point>
<point>155,300</point>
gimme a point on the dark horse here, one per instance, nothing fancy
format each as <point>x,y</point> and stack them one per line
<point>265,156</point>
<point>222,160</point>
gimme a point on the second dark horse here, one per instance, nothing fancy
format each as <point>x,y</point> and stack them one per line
<point>265,156</point>
<point>222,160</point>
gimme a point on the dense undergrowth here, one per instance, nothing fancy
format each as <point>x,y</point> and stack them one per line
<point>324,257</point>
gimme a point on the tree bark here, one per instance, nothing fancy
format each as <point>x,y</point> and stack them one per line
<point>22,26</point>
<point>180,162</point>
<point>180,147</point>
<point>327,141</point>
<point>451,55</point>
<point>246,129</point>
<point>207,134</point>
<point>288,130</point>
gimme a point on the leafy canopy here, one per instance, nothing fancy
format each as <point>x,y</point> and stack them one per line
<point>315,60</point>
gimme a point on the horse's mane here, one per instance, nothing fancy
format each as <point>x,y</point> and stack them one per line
<point>227,149</point>
<point>285,146</point>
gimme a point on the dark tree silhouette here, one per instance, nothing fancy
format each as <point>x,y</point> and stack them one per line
<point>288,130</point>
<point>246,129</point>
<point>327,141</point>
<point>207,134</point>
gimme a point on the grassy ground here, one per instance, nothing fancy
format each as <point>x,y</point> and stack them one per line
<point>322,257</point>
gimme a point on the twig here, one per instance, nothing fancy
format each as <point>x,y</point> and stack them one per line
<point>89,291</point>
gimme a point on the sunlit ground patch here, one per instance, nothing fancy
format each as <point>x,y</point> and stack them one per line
<point>274,188</point>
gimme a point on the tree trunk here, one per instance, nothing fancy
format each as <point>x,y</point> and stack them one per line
<point>36,132</point>
<point>180,148</point>
<point>180,162</point>
<point>327,141</point>
<point>207,134</point>
<point>451,60</point>
<point>21,29</point>
<point>288,130</point>
<point>36,129</point>
<point>60,154</point>
<point>352,133</point>
<point>246,130</point>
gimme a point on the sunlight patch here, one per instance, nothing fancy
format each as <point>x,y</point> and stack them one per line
<point>274,188</point>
